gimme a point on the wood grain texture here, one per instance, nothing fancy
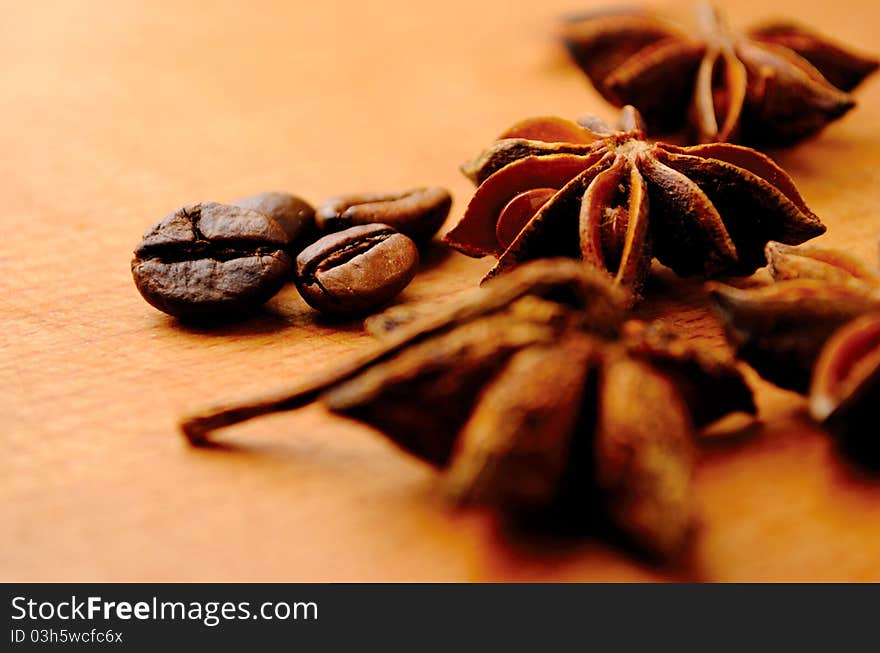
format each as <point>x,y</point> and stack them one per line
<point>115,113</point>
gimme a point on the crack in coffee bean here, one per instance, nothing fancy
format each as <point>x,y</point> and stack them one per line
<point>204,250</point>
<point>345,254</point>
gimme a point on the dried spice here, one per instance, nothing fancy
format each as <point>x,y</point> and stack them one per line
<point>529,383</point>
<point>615,201</point>
<point>779,329</point>
<point>845,389</point>
<point>772,85</point>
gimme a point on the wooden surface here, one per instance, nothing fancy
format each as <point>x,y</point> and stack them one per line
<point>115,113</point>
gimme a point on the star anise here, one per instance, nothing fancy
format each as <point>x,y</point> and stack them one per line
<point>530,395</point>
<point>615,200</point>
<point>816,330</point>
<point>772,85</point>
<point>845,389</point>
<point>780,329</point>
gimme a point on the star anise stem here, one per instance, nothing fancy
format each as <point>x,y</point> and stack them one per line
<point>630,121</point>
<point>712,25</point>
<point>567,283</point>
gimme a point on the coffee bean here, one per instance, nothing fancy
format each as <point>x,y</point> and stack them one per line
<point>210,260</point>
<point>293,214</point>
<point>417,213</point>
<point>354,271</point>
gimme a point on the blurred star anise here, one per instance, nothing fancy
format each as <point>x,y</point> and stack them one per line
<point>773,85</point>
<point>845,389</point>
<point>532,395</point>
<point>551,188</point>
<point>816,330</point>
<point>781,328</point>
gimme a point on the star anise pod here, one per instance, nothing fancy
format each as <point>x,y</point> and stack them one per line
<point>772,85</point>
<point>532,394</point>
<point>780,329</point>
<point>615,200</point>
<point>816,330</point>
<point>845,390</point>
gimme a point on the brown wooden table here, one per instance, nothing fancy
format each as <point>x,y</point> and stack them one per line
<point>115,113</point>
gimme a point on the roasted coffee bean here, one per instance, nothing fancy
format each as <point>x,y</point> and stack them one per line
<point>293,214</point>
<point>207,261</point>
<point>417,213</point>
<point>354,271</point>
